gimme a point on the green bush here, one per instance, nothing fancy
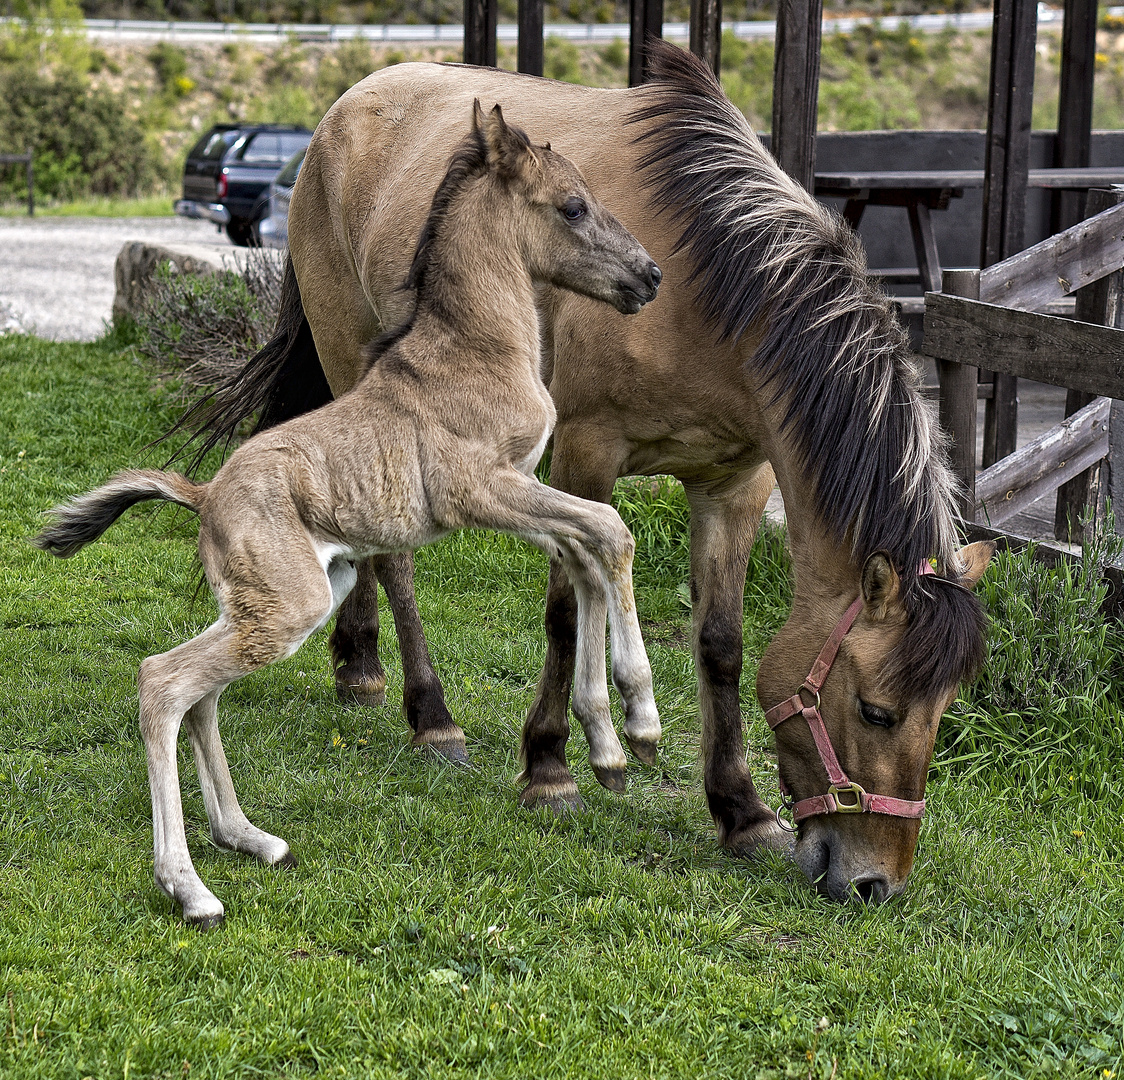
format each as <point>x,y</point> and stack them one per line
<point>1044,714</point>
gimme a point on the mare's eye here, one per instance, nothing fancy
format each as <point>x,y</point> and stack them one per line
<point>574,210</point>
<point>872,714</point>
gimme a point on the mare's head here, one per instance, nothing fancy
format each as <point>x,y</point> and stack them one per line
<point>915,638</point>
<point>567,236</point>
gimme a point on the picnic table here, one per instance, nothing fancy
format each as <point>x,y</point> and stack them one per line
<point>921,191</point>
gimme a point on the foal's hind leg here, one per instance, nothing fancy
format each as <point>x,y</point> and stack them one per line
<point>724,522</point>
<point>230,828</point>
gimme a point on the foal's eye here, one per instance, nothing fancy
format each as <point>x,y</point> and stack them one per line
<point>574,210</point>
<point>872,714</point>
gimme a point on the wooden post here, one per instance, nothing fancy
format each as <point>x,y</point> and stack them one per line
<point>958,400</point>
<point>30,186</point>
<point>1075,106</point>
<point>1101,303</point>
<point>646,18</point>
<point>480,32</point>
<point>706,32</point>
<point>796,86</point>
<point>1007,161</point>
<point>530,37</point>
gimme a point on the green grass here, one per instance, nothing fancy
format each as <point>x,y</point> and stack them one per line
<point>152,206</point>
<point>432,929</point>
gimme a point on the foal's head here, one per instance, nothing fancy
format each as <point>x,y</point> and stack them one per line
<point>565,234</point>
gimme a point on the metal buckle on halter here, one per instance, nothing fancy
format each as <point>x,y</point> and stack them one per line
<point>806,689</point>
<point>787,805</point>
<point>848,808</point>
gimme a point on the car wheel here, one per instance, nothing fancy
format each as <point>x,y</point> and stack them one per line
<point>243,233</point>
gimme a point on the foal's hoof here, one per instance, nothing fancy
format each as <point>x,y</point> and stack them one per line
<point>647,753</point>
<point>203,923</point>
<point>559,798</point>
<point>287,861</point>
<point>368,692</point>
<point>612,778</point>
<point>445,744</point>
<point>758,837</point>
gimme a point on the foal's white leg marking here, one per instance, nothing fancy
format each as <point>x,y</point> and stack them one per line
<point>230,828</point>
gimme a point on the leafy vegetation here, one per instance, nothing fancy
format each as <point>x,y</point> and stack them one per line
<point>434,929</point>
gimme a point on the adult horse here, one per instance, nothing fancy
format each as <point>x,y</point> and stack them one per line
<point>768,354</point>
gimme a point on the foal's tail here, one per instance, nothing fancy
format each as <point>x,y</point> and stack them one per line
<point>281,380</point>
<point>83,519</point>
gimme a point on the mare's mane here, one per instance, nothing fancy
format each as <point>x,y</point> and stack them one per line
<point>767,256</point>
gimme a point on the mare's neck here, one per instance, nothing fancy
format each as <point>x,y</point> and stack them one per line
<point>477,286</point>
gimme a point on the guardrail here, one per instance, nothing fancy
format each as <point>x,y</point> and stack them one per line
<point>451,33</point>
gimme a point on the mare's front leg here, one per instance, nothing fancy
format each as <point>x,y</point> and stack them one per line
<point>725,518</point>
<point>355,642</point>
<point>423,697</point>
<point>546,774</point>
<point>360,677</point>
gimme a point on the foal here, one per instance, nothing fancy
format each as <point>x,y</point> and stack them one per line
<point>442,433</point>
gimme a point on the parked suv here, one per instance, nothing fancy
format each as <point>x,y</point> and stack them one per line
<point>227,175</point>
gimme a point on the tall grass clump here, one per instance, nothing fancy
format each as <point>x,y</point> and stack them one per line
<point>1044,715</point>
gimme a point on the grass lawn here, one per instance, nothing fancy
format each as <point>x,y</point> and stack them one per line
<point>432,928</point>
<point>151,206</point>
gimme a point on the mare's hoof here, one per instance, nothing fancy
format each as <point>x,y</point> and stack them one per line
<point>613,779</point>
<point>368,692</point>
<point>758,837</point>
<point>287,861</point>
<point>446,745</point>
<point>203,923</point>
<point>646,752</point>
<point>558,798</point>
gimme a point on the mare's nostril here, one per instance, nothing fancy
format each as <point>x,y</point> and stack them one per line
<point>871,890</point>
<point>656,274</point>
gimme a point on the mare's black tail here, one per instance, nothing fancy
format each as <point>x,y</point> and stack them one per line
<point>282,380</point>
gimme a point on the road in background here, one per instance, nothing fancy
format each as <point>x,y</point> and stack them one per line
<point>56,274</point>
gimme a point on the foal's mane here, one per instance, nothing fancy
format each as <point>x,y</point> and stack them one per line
<point>468,161</point>
<point>767,256</point>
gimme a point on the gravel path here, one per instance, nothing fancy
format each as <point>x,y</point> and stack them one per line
<point>56,274</point>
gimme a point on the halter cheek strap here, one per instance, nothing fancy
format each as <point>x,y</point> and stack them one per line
<point>843,795</point>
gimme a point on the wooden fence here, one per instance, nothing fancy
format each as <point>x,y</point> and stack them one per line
<point>988,319</point>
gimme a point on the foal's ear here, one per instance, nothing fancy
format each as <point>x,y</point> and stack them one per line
<point>975,559</point>
<point>880,585</point>
<point>508,149</point>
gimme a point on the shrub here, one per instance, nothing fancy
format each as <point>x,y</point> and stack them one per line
<point>199,330</point>
<point>1044,713</point>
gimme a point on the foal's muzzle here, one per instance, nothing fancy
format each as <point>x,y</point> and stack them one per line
<point>634,295</point>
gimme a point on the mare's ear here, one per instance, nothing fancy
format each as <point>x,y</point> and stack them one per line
<point>975,559</point>
<point>880,585</point>
<point>508,149</point>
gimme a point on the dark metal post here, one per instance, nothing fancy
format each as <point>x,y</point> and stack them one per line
<point>958,400</point>
<point>1101,302</point>
<point>1010,98</point>
<point>530,37</point>
<point>646,17</point>
<point>706,32</point>
<point>30,185</point>
<point>480,32</point>
<point>1075,106</point>
<point>796,84</point>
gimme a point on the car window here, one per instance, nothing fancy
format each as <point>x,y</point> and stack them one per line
<point>287,177</point>
<point>293,141</point>
<point>212,147</point>
<point>264,146</point>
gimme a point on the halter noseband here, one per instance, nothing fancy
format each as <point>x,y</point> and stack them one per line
<point>843,796</point>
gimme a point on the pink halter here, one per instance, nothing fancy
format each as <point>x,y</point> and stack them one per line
<point>843,795</point>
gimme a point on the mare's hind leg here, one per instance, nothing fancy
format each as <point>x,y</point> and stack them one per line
<point>423,697</point>
<point>355,643</point>
<point>546,773</point>
<point>725,517</point>
<point>230,828</point>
